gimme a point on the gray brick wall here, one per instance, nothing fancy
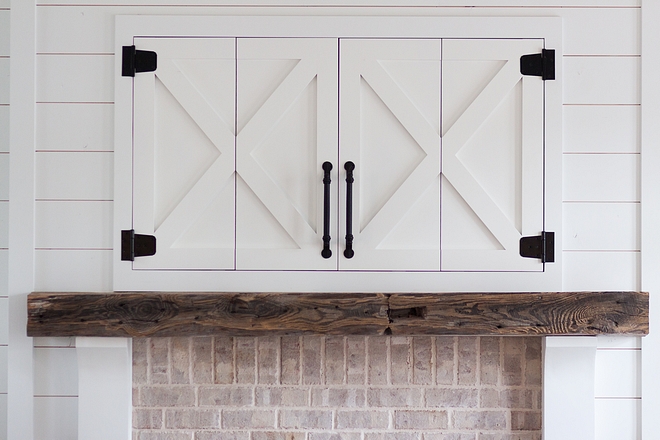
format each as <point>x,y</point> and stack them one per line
<point>327,388</point>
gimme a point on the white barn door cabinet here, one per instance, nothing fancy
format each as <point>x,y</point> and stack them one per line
<point>321,154</point>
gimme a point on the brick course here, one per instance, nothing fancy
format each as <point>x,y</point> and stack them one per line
<point>327,388</point>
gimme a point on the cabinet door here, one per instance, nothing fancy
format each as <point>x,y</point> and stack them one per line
<point>390,129</point>
<point>287,128</point>
<point>183,151</point>
<point>492,155</point>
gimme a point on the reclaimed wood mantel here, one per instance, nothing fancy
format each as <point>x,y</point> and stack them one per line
<point>140,314</point>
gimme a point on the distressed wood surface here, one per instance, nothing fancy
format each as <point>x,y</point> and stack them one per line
<point>139,314</point>
<point>187,314</point>
<point>552,313</point>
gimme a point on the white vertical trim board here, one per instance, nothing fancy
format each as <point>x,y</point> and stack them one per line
<point>104,390</point>
<point>650,181</point>
<point>20,420</point>
<point>617,374</point>
<point>568,388</point>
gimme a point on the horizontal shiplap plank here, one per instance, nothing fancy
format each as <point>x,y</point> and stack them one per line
<point>4,352</point>
<point>602,80</point>
<point>601,177</point>
<point>4,128</point>
<point>619,342</point>
<point>73,270</point>
<point>469,3</point>
<point>3,413</point>
<point>617,419</point>
<point>602,129</point>
<point>593,31</point>
<point>55,372</point>
<point>75,127</point>
<point>4,321</point>
<point>4,80</point>
<point>75,78</point>
<point>4,272</point>
<point>4,32</point>
<point>73,224</point>
<point>600,270</point>
<point>4,225</point>
<point>4,176</point>
<point>57,418</point>
<point>601,226</point>
<point>587,31</point>
<point>618,373</point>
<point>74,175</point>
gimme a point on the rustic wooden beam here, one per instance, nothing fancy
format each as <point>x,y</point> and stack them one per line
<point>554,313</point>
<point>137,314</point>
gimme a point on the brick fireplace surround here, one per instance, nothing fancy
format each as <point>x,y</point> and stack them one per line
<point>335,387</point>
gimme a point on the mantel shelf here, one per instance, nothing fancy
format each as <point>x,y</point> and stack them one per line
<point>141,314</point>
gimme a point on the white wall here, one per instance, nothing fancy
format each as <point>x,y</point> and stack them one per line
<point>74,172</point>
<point>4,205</point>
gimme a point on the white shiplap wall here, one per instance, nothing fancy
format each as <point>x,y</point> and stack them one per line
<point>4,205</point>
<point>73,207</point>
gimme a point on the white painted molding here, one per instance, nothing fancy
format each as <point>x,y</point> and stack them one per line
<point>22,73</point>
<point>569,388</point>
<point>104,388</point>
<point>650,233</point>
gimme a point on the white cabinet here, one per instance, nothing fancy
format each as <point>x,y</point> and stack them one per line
<point>492,154</point>
<point>286,104</point>
<point>183,155</point>
<point>390,129</point>
<point>220,153</point>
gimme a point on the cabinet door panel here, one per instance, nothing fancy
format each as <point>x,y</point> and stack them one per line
<point>287,119</point>
<point>492,154</point>
<point>389,106</point>
<point>184,153</point>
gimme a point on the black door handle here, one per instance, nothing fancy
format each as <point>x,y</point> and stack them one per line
<point>326,252</point>
<point>349,167</point>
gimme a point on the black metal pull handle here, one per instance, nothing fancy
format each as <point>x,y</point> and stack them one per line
<point>349,167</point>
<point>326,252</point>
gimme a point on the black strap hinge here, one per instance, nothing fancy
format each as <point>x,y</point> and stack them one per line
<point>136,61</point>
<point>541,247</point>
<point>136,245</point>
<point>539,64</point>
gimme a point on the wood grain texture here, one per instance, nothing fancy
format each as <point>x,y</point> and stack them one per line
<point>553,313</point>
<point>138,314</point>
<point>188,314</point>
